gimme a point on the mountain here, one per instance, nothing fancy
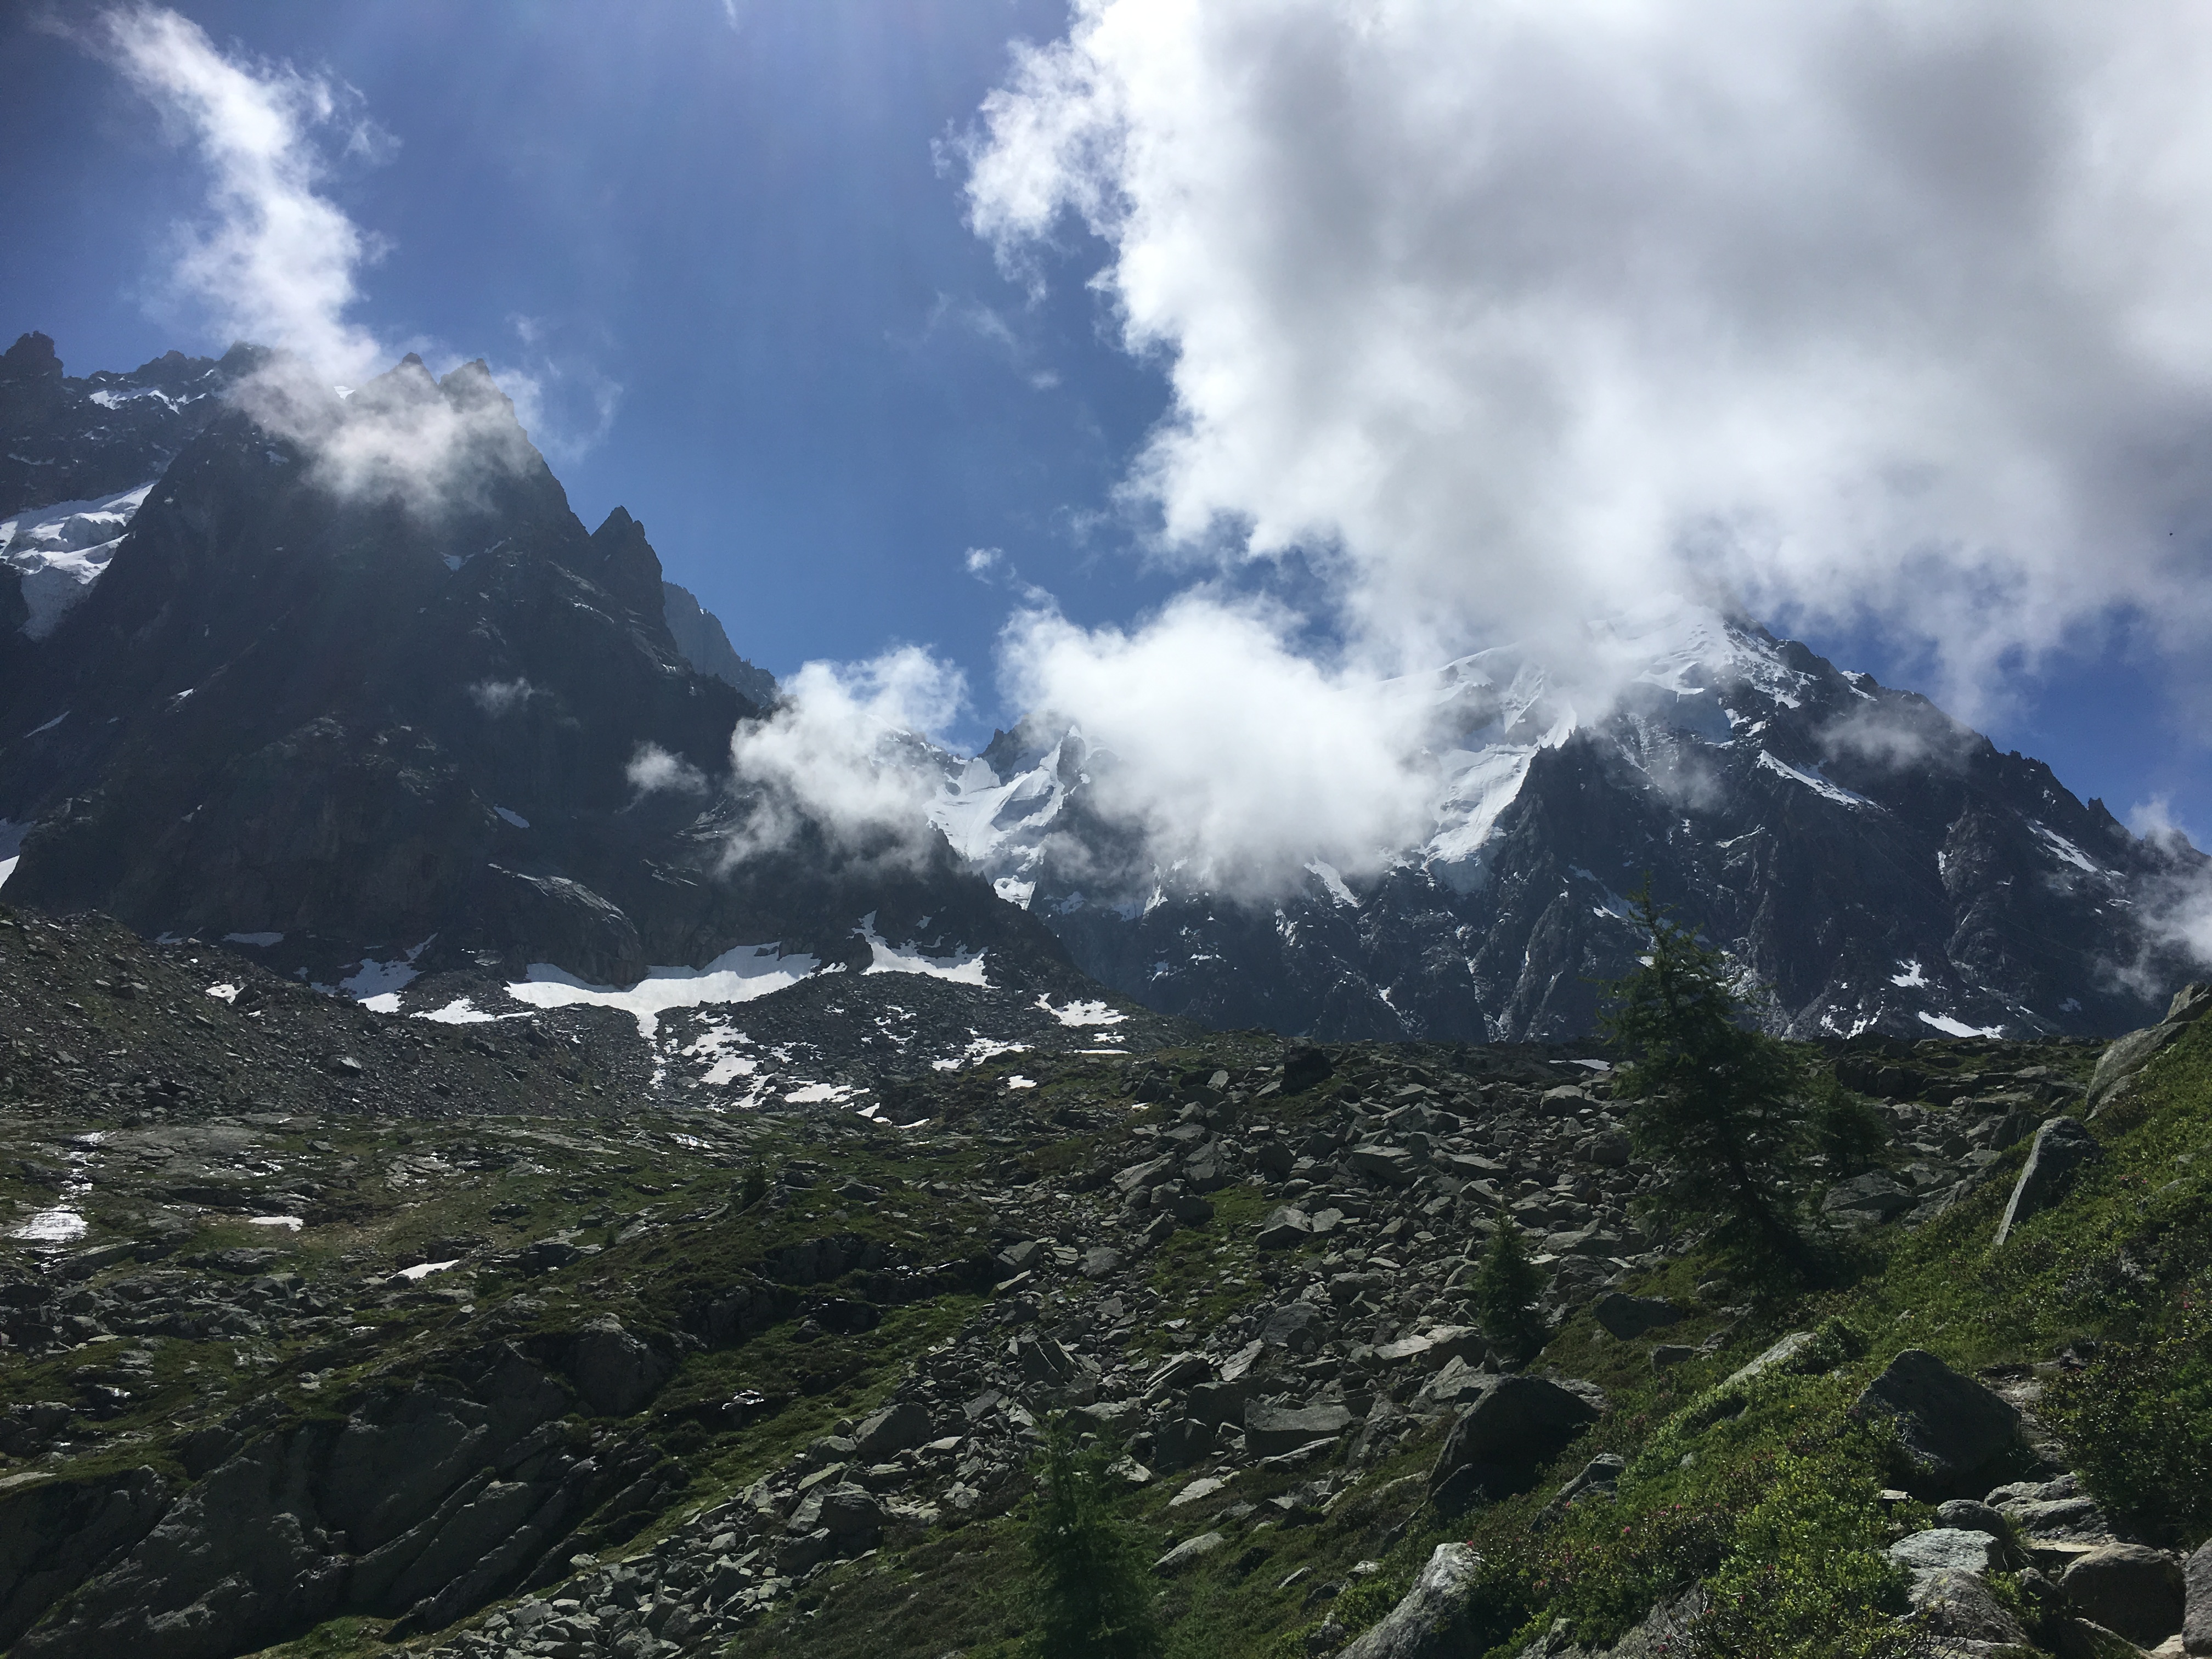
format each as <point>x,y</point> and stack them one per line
<point>1876,865</point>
<point>698,635</point>
<point>351,681</point>
<point>78,454</point>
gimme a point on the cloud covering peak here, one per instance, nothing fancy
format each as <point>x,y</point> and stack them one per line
<point>275,261</point>
<point>1857,311</point>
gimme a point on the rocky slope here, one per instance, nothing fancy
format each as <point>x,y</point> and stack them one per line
<point>1879,866</point>
<point>523,1338</point>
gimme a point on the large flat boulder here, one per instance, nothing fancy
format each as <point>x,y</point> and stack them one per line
<point>2062,1146</point>
<point>1498,1444</point>
<point>1431,1621</point>
<point>2126,1056</point>
<point>1949,1427</point>
<point>1270,1431</point>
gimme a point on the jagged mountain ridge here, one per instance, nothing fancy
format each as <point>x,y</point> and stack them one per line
<point>1877,865</point>
<point>78,453</point>
<point>368,721</point>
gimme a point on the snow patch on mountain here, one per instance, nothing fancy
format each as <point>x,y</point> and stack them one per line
<point>889,958</point>
<point>59,551</point>
<point>739,974</point>
<point>1950,1025</point>
<point>1811,778</point>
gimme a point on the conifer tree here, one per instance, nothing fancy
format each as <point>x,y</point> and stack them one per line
<point>1092,1595</point>
<point>1507,1287</point>
<point>1721,1104</point>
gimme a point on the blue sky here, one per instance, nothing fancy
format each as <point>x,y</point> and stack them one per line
<point>733,247</point>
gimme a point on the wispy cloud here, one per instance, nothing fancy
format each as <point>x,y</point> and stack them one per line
<point>275,261</point>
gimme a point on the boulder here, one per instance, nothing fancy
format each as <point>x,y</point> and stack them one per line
<point>1179,1441</point>
<point>1297,1326</point>
<point>1285,1229</point>
<point>1874,1196</point>
<point>891,1430</point>
<point>849,1511</point>
<point>1020,1257</point>
<point>2062,1146</point>
<point>1270,1431</point>
<point>1949,1427</point>
<point>1630,1316</point>
<point>2138,1591</point>
<point>1971,1514</point>
<point>1457,1384</point>
<point>1954,1549</point>
<point>2197,1611</point>
<point>1496,1444</point>
<point>1190,1550</point>
<point>1960,1605</point>
<point>1178,1371</point>
<point>2126,1056</point>
<point>1782,1356</point>
<point>1304,1067</point>
<point>1394,1166</point>
<point>1431,1621</point>
<point>614,1371</point>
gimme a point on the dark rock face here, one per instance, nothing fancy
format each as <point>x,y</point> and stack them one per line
<point>1950,1428</point>
<point>63,438</point>
<point>1497,1443</point>
<point>1882,868</point>
<point>2062,1146</point>
<point>423,1502</point>
<point>699,636</point>
<point>366,720</point>
<point>55,1536</point>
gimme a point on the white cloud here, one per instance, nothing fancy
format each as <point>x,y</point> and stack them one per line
<point>652,770</point>
<point>2176,906</point>
<point>1883,310</point>
<point>277,262</point>
<point>1238,758</point>
<point>840,753</point>
<point>498,697</point>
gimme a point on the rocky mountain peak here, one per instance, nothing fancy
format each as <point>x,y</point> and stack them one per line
<point>32,357</point>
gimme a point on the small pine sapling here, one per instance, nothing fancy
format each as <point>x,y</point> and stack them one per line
<point>1507,1288</point>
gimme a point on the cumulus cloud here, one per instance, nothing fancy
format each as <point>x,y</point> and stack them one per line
<point>1237,758</point>
<point>846,753</point>
<point>1857,310</point>
<point>276,262</point>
